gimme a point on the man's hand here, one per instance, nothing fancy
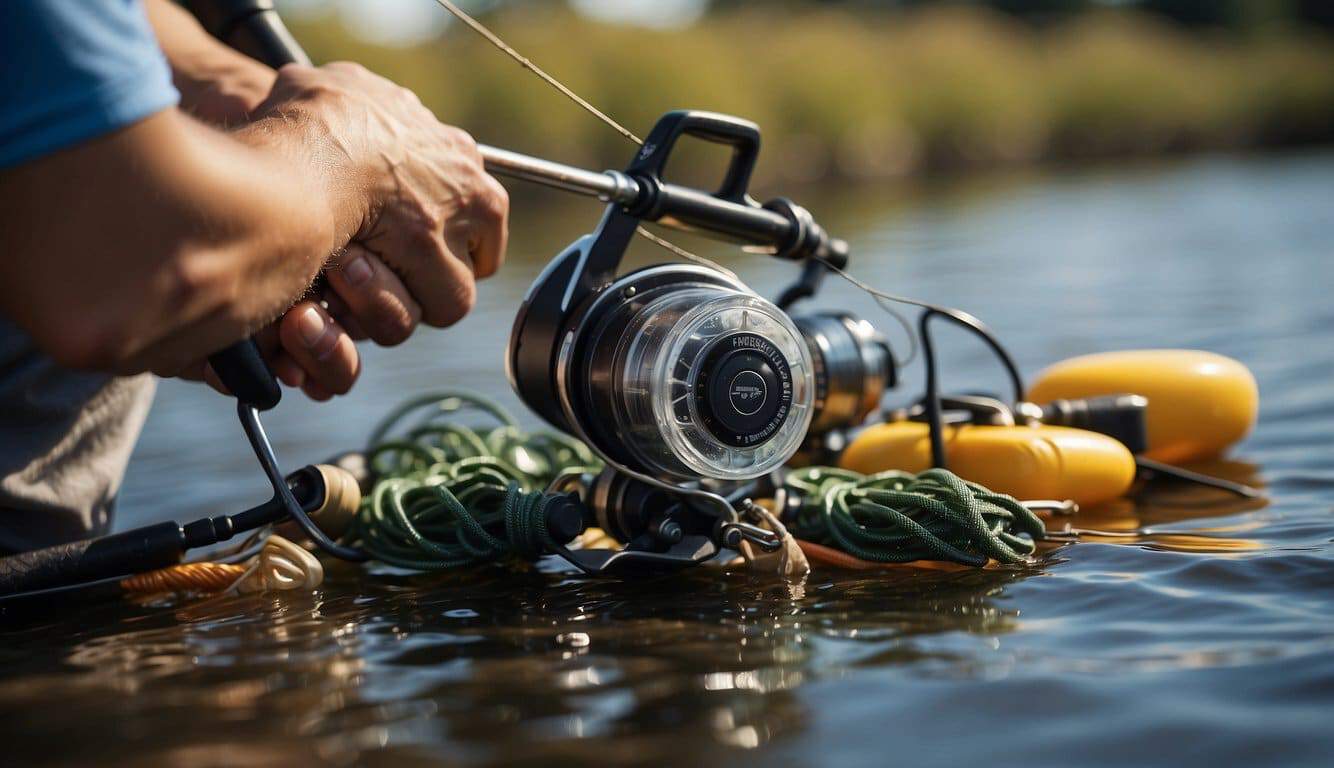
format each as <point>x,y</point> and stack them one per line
<point>369,297</point>
<point>428,221</point>
<point>306,349</point>
<point>435,222</point>
<point>430,218</point>
<point>179,239</point>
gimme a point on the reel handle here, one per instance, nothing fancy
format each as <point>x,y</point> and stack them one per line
<point>780,224</point>
<point>742,135</point>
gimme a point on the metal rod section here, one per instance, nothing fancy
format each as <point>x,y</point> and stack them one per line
<point>609,186</point>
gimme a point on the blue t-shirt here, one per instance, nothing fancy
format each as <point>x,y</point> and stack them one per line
<point>72,70</point>
<point>75,70</point>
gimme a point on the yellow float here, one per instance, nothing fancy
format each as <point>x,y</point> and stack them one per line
<point>1027,462</point>
<point>1199,402</point>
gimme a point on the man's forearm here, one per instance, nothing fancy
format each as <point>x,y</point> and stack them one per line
<point>168,240</point>
<point>156,245</point>
<point>217,84</point>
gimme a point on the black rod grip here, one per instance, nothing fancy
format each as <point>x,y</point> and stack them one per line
<point>252,27</point>
<point>243,371</point>
<point>120,554</point>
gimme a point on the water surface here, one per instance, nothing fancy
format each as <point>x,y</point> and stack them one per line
<point>1193,628</point>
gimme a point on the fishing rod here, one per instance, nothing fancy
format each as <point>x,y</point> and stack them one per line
<point>713,384</point>
<point>322,492</point>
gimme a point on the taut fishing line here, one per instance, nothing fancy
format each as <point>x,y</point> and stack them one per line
<point>541,74</point>
<point>527,64</point>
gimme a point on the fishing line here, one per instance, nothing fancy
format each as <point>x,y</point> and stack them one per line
<point>584,104</point>
<point>527,64</point>
<point>899,517</point>
<point>881,297</point>
<point>964,319</point>
<point>683,253</point>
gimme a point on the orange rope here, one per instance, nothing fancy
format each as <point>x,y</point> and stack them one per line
<point>828,556</point>
<point>186,577</point>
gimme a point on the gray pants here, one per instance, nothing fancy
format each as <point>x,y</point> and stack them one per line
<point>65,440</point>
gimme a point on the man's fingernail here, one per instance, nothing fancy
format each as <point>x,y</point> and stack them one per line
<point>357,271</point>
<point>310,326</point>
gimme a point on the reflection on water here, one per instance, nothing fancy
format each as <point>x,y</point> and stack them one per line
<point>1180,516</point>
<point>1183,625</point>
<point>508,665</point>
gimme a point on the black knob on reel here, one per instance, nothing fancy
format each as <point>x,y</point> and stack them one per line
<point>744,389</point>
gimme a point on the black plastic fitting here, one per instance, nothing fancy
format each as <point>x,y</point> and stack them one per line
<point>1118,416</point>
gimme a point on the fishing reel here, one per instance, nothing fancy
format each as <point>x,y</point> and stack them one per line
<point>683,379</point>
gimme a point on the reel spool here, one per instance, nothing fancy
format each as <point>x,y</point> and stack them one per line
<point>683,373</point>
<point>675,371</point>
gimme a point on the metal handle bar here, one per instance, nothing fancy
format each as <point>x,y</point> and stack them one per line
<point>781,225</point>
<point>608,186</point>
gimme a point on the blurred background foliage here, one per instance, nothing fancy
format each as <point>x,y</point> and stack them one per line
<point>863,89</point>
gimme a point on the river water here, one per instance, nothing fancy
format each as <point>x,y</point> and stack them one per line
<point>1197,629</point>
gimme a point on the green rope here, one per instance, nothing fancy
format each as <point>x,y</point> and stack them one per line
<point>898,517</point>
<point>447,495</point>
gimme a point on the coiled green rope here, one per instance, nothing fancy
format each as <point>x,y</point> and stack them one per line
<point>447,495</point>
<point>898,517</point>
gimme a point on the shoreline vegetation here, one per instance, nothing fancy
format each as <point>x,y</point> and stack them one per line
<point>882,96</point>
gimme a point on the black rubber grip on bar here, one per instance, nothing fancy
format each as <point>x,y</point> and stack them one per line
<point>120,554</point>
<point>246,375</point>
<point>252,27</point>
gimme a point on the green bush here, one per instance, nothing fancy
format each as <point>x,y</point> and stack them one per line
<point>838,94</point>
